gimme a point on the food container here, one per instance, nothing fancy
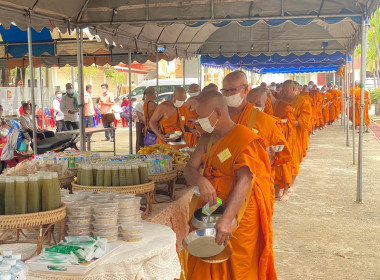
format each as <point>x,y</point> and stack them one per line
<point>105,210</point>
<point>130,218</point>
<point>77,210</point>
<point>126,202</point>
<point>80,221</point>
<point>111,237</point>
<point>78,232</point>
<point>105,220</point>
<point>132,228</point>
<point>129,211</point>
<point>110,231</point>
<point>104,228</point>
<point>132,237</point>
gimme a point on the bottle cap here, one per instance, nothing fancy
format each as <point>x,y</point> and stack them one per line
<point>16,256</point>
<point>7,254</point>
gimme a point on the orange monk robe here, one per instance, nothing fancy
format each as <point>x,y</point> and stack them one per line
<point>283,110</point>
<point>357,107</point>
<point>173,123</point>
<point>333,110</point>
<point>320,101</point>
<point>270,130</point>
<point>310,127</point>
<point>326,109</point>
<point>351,103</point>
<point>252,243</point>
<point>302,114</point>
<point>147,114</point>
<point>314,107</point>
<point>269,107</point>
<point>192,139</point>
<point>338,103</point>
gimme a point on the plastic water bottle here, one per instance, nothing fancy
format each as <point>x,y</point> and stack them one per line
<point>21,265</point>
<point>4,270</point>
<point>7,255</point>
<point>1,259</point>
<point>5,276</point>
<point>15,271</point>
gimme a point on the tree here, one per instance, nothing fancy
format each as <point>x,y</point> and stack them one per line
<point>115,76</point>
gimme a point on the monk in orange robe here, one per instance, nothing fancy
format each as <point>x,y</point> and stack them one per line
<point>326,106</point>
<point>283,173</point>
<point>149,105</point>
<point>320,100</point>
<point>339,101</point>
<point>237,170</point>
<point>194,92</point>
<point>171,116</point>
<point>333,109</point>
<point>367,105</point>
<point>305,144</point>
<point>245,113</point>
<point>268,106</point>
<point>302,113</point>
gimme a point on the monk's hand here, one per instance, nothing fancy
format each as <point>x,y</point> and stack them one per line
<point>223,231</point>
<point>207,191</point>
<point>195,132</point>
<point>271,154</point>
<point>161,137</point>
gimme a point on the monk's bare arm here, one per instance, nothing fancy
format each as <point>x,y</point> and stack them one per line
<point>194,177</point>
<point>155,120</point>
<point>238,195</point>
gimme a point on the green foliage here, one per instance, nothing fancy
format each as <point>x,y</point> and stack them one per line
<point>115,76</point>
<point>375,95</point>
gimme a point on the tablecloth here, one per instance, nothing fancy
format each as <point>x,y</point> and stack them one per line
<point>154,257</point>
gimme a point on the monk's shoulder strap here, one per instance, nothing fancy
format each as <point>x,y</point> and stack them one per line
<point>252,119</point>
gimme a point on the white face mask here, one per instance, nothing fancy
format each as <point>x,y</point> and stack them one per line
<point>206,125</point>
<point>273,88</point>
<point>178,104</point>
<point>234,100</point>
<point>104,90</point>
<point>261,109</point>
<point>194,94</point>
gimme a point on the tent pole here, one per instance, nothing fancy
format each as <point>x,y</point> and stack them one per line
<point>353,108</point>
<point>199,71</point>
<point>130,102</point>
<point>73,75</point>
<point>30,50</point>
<point>348,102</point>
<point>341,104</point>
<point>334,78</point>
<point>344,85</point>
<point>359,193</point>
<point>39,90</point>
<point>79,33</point>
<point>184,72</point>
<point>157,73</point>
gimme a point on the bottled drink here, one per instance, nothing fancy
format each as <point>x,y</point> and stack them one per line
<point>15,270</point>
<point>47,194</point>
<point>5,276</point>
<point>5,272</point>
<point>79,174</point>
<point>21,265</point>
<point>122,176</point>
<point>34,195</point>
<point>7,255</point>
<point>2,195</point>
<point>9,195</point>
<point>115,176</point>
<point>56,190</point>
<point>99,175</point>
<point>128,175</point>
<point>21,191</point>
<point>107,176</point>
<point>143,172</point>
<point>135,174</point>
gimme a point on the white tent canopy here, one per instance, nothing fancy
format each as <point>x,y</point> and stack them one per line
<point>189,27</point>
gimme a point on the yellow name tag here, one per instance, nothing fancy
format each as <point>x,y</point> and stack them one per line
<point>224,155</point>
<point>255,130</point>
<point>183,118</point>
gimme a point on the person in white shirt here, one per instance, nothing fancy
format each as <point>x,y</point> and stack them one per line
<point>26,121</point>
<point>140,124</point>
<point>69,107</point>
<point>117,110</point>
<point>58,115</point>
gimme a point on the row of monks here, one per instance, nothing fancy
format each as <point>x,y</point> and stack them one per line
<point>249,146</point>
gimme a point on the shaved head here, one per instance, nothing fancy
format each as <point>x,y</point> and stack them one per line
<point>180,94</point>
<point>258,97</point>
<point>210,87</point>
<point>236,76</point>
<point>150,93</point>
<point>357,84</point>
<point>289,89</point>
<point>263,84</point>
<point>193,88</point>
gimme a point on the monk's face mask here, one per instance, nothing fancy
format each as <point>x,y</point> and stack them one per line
<point>206,124</point>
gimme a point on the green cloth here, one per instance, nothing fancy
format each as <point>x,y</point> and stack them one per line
<point>75,97</point>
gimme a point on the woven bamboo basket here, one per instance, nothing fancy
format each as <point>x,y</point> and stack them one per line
<point>22,221</point>
<point>179,167</point>
<point>164,177</point>
<point>136,189</point>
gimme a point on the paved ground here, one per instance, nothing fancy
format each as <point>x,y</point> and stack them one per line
<point>321,233</point>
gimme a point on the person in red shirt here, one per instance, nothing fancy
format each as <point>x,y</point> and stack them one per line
<point>21,109</point>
